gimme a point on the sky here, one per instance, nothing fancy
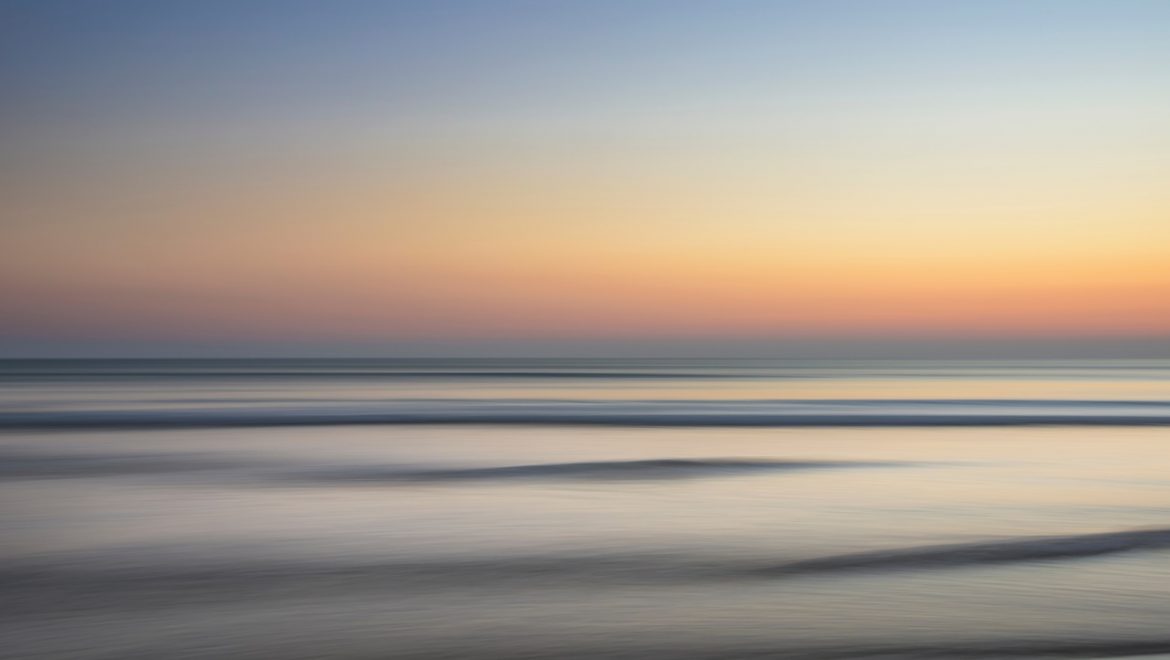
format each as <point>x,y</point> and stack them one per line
<point>599,177</point>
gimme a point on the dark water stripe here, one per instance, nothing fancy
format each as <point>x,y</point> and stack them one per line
<point>24,464</point>
<point>269,418</point>
<point>1073,648</point>
<point>480,646</point>
<point>960,649</point>
<point>387,375</point>
<point>603,403</point>
<point>975,554</point>
<point>650,469</point>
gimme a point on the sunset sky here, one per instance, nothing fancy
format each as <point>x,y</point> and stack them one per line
<point>235,177</point>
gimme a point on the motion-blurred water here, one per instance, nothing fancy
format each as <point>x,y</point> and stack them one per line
<point>369,509</point>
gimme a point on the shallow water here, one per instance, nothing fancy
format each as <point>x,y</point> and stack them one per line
<point>185,513</point>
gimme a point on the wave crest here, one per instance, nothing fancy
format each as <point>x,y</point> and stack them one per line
<point>647,469</point>
<point>975,554</point>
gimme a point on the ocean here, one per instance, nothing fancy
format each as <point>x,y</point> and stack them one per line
<point>430,509</point>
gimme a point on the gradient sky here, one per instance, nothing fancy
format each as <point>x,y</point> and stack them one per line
<point>195,177</point>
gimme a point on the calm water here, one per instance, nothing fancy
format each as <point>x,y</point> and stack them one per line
<point>293,509</point>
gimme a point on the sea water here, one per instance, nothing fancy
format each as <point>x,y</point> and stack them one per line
<point>499,509</point>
